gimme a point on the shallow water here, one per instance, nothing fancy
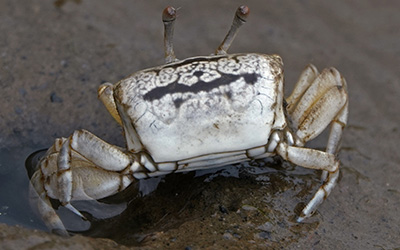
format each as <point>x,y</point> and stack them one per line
<point>14,181</point>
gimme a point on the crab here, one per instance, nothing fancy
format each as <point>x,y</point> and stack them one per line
<point>200,112</point>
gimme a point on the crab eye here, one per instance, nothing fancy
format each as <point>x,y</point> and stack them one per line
<point>169,14</point>
<point>243,12</point>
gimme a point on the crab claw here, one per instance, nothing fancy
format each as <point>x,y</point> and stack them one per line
<point>80,167</point>
<point>41,203</point>
<point>41,167</point>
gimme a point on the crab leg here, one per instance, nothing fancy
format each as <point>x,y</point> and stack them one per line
<point>314,159</point>
<point>39,200</point>
<point>81,167</point>
<point>318,105</point>
<point>106,95</point>
<point>317,101</point>
<point>92,147</point>
<point>306,78</point>
<point>322,193</point>
<point>308,157</point>
<point>335,134</point>
<point>337,126</point>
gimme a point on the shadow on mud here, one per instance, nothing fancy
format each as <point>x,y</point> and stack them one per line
<point>256,201</point>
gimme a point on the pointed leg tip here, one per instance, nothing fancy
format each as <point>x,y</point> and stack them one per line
<point>60,232</point>
<point>300,219</point>
<point>74,210</point>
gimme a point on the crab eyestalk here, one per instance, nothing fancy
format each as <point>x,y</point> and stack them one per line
<point>168,18</point>
<point>240,18</point>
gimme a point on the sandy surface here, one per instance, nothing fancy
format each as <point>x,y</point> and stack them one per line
<point>54,54</point>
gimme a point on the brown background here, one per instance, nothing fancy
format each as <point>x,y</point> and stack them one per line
<point>54,54</point>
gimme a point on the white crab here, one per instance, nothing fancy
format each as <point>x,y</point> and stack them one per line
<point>201,112</point>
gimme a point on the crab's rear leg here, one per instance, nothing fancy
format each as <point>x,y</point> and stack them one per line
<point>313,159</point>
<point>317,101</point>
<point>81,167</point>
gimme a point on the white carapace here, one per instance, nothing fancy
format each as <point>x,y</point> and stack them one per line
<point>202,106</point>
<point>201,112</point>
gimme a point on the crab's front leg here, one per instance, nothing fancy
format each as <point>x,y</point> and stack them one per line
<point>105,93</point>
<point>317,101</point>
<point>81,167</point>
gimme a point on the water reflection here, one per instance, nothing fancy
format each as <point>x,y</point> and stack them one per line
<point>31,163</point>
<point>14,186</point>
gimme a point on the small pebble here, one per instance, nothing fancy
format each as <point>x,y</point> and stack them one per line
<point>55,98</point>
<point>267,227</point>
<point>223,210</point>
<point>263,235</point>
<point>248,208</point>
<point>227,236</point>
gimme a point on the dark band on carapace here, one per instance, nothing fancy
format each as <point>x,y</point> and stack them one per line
<point>175,87</point>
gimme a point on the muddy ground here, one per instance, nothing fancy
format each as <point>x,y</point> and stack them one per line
<point>54,54</point>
